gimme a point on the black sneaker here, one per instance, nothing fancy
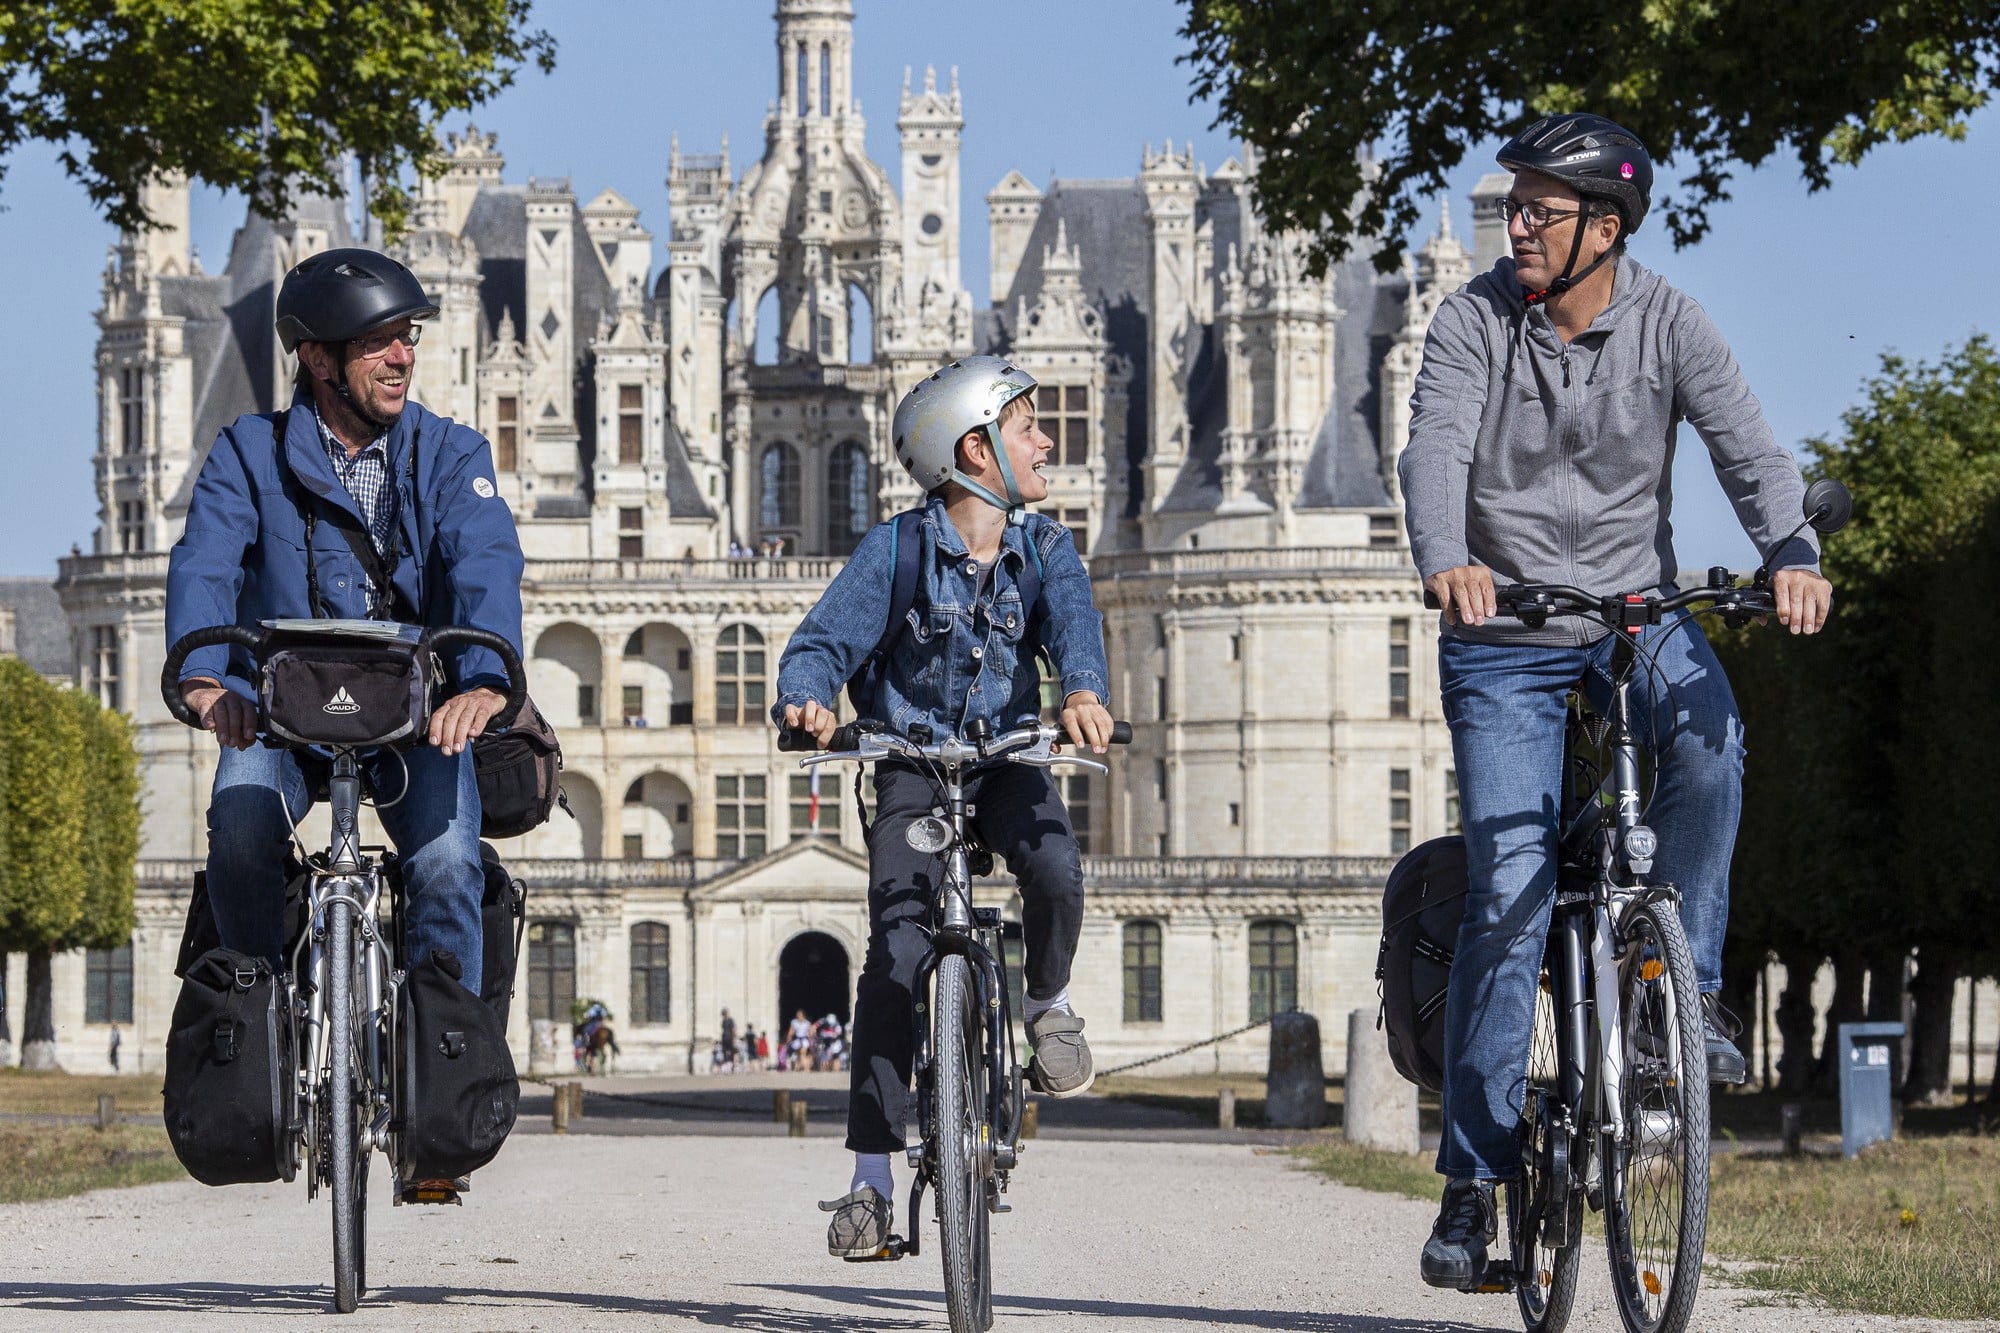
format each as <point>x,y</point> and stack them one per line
<point>1718,1027</point>
<point>1455,1255</point>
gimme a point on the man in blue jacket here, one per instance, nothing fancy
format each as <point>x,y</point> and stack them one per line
<point>265,540</point>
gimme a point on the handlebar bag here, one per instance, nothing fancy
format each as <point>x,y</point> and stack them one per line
<point>1423,905</point>
<point>323,689</point>
<point>459,1090</point>
<point>231,1109</point>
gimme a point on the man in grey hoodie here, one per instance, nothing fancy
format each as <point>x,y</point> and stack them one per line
<point>1541,448</point>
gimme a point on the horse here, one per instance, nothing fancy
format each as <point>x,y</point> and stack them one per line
<point>593,1042</point>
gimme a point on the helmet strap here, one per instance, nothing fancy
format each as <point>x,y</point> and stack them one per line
<point>1568,279</point>
<point>1017,512</point>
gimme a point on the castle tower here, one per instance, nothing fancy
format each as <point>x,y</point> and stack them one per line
<point>815,58</point>
<point>1170,184</point>
<point>930,124</point>
<point>1012,208</point>
<point>549,406</point>
<point>691,304</point>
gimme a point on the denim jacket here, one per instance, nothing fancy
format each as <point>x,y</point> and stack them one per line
<point>962,656</point>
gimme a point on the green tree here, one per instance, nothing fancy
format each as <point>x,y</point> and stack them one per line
<point>111,819</point>
<point>260,96</point>
<point>43,809</point>
<point>1360,108</point>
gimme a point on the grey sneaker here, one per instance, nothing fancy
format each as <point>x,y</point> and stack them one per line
<point>860,1225</point>
<point>1455,1255</point>
<point>1060,1066</point>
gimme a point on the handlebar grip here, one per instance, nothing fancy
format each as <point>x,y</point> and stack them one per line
<point>1431,602</point>
<point>213,636</point>
<point>1121,733</point>
<point>796,738</point>
<point>517,677</point>
<point>845,737</point>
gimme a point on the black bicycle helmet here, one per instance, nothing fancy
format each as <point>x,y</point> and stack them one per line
<point>1593,156</point>
<point>336,295</point>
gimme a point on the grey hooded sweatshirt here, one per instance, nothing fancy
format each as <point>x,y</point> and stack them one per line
<point>1554,464</point>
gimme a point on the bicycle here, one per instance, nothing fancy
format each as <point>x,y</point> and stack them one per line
<point>969,1084</point>
<point>1616,1109</point>
<point>343,988</point>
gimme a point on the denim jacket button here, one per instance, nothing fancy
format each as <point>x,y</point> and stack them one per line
<point>1010,622</point>
<point>972,568</point>
<point>978,653</point>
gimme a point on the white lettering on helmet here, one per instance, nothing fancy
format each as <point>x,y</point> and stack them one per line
<point>1583,157</point>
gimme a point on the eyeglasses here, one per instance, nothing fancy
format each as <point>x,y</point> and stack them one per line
<point>375,344</point>
<point>1534,214</point>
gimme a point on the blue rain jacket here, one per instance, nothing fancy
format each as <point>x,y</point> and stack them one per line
<point>962,656</point>
<point>243,558</point>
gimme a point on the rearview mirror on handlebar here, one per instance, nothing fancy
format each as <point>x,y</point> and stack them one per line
<point>1828,505</point>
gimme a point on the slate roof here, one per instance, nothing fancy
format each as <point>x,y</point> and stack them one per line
<point>41,632</point>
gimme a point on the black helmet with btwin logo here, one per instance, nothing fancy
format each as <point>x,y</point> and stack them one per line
<point>337,295</point>
<point>1597,158</point>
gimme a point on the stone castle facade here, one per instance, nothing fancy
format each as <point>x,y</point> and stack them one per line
<point>1227,428</point>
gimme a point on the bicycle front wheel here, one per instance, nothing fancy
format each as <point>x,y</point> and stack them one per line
<point>347,1160</point>
<point>1656,1220</point>
<point>959,1122</point>
<point>1545,1206</point>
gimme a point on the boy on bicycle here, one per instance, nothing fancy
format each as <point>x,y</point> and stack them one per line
<point>966,655</point>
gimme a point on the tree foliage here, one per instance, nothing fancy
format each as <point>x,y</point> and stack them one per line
<point>110,771</point>
<point>43,871</point>
<point>1361,108</point>
<point>260,96</point>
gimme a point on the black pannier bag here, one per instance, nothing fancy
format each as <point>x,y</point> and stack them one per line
<point>520,775</point>
<point>1423,905</point>
<point>458,1088</point>
<point>231,1073</point>
<point>200,934</point>
<point>335,683</point>
<point>503,917</point>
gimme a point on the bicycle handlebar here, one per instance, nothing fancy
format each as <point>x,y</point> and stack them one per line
<point>1533,603</point>
<point>870,740</point>
<point>253,641</point>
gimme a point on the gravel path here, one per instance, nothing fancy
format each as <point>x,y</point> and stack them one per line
<point>680,1232</point>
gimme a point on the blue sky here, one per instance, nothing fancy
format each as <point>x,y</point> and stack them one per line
<point>1810,290</point>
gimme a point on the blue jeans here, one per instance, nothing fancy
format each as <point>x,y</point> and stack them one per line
<point>435,828</point>
<point>1505,707</point>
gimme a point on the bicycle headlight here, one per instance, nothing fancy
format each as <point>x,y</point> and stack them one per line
<point>928,834</point>
<point>1640,845</point>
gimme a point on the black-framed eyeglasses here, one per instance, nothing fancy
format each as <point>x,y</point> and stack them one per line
<point>375,344</point>
<point>1534,214</point>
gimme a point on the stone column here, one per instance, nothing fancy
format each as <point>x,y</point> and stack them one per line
<point>1381,1106</point>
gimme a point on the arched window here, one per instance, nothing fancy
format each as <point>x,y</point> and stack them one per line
<point>825,80</point>
<point>848,507</point>
<point>802,104</point>
<point>1142,971</point>
<point>779,472</point>
<point>652,1000</point>
<point>551,970</point>
<point>739,677</point>
<point>107,985</point>
<point>1274,968</point>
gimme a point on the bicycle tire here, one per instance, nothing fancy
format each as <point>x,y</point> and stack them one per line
<point>342,1141</point>
<point>958,1120</point>
<point>1545,1275</point>
<point>1656,1212</point>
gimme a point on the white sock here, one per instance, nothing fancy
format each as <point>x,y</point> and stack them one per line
<point>1032,1008</point>
<point>872,1168</point>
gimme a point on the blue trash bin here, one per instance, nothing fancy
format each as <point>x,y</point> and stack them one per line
<point>1866,1094</point>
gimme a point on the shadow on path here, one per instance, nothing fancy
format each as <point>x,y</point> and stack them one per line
<point>903,1311</point>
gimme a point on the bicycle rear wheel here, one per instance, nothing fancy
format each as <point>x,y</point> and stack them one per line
<point>1545,1207</point>
<point>1656,1218</point>
<point>959,1123</point>
<point>347,1160</point>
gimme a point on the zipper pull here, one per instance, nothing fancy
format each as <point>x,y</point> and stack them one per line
<point>1565,365</point>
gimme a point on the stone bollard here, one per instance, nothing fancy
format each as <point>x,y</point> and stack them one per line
<point>781,1105</point>
<point>560,1110</point>
<point>1031,1120</point>
<point>107,1110</point>
<point>798,1129</point>
<point>1789,1128</point>
<point>542,1048</point>
<point>1381,1104</point>
<point>576,1100</point>
<point>1295,1082</point>
<point>1225,1108</point>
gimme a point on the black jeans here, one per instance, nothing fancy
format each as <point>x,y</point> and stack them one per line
<point>1022,818</point>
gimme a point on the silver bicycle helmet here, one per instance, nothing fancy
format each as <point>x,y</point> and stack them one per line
<point>933,417</point>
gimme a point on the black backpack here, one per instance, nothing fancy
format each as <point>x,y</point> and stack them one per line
<point>906,550</point>
<point>232,1074</point>
<point>1422,907</point>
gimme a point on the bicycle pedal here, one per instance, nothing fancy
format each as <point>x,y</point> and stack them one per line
<point>895,1248</point>
<point>433,1191</point>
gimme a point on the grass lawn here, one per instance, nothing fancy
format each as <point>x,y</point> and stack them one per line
<point>49,1161</point>
<point>1907,1228</point>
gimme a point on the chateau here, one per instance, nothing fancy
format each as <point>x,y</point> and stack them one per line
<point>1227,429</point>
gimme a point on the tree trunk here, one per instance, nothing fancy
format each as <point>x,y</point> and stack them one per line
<point>38,1022</point>
<point>1888,1002</point>
<point>1795,1021</point>
<point>1936,981</point>
<point>6,1032</point>
<point>1993,1083</point>
<point>1850,995</point>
